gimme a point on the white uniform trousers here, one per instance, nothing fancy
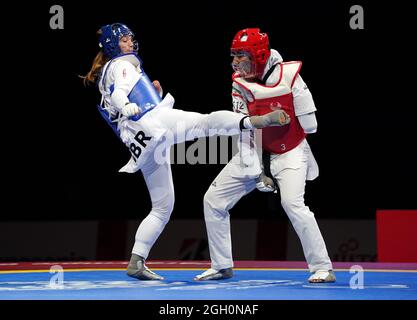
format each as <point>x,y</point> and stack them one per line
<point>291,171</point>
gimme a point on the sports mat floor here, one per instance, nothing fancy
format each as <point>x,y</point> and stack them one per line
<point>253,280</point>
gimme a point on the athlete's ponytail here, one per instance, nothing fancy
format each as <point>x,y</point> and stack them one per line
<point>98,63</point>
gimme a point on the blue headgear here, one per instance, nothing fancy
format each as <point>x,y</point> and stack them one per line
<point>110,37</point>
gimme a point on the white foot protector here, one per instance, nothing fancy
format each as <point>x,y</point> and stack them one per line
<point>322,276</point>
<point>213,274</point>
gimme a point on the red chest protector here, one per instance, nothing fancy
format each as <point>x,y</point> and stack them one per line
<point>269,98</point>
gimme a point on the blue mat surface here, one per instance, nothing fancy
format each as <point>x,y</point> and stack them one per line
<point>246,285</point>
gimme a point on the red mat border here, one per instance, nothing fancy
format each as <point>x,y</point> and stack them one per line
<point>250,264</point>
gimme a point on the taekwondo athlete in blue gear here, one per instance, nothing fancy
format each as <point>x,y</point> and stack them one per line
<point>141,119</point>
<point>144,93</point>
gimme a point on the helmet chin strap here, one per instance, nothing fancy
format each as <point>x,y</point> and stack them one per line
<point>135,46</point>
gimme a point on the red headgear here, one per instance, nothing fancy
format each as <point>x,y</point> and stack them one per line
<point>254,43</point>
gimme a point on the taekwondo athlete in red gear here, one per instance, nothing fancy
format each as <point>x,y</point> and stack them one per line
<point>263,82</point>
<point>141,118</point>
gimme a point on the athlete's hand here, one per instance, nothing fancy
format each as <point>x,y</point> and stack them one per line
<point>284,118</point>
<point>130,109</point>
<point>265,184</point>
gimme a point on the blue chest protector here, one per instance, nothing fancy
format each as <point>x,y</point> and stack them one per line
<point>143,93</point>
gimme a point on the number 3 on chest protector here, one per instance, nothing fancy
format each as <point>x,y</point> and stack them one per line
<point>136,149</point>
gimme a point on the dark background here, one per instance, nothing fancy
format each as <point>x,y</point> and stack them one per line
<point>62,161</point>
